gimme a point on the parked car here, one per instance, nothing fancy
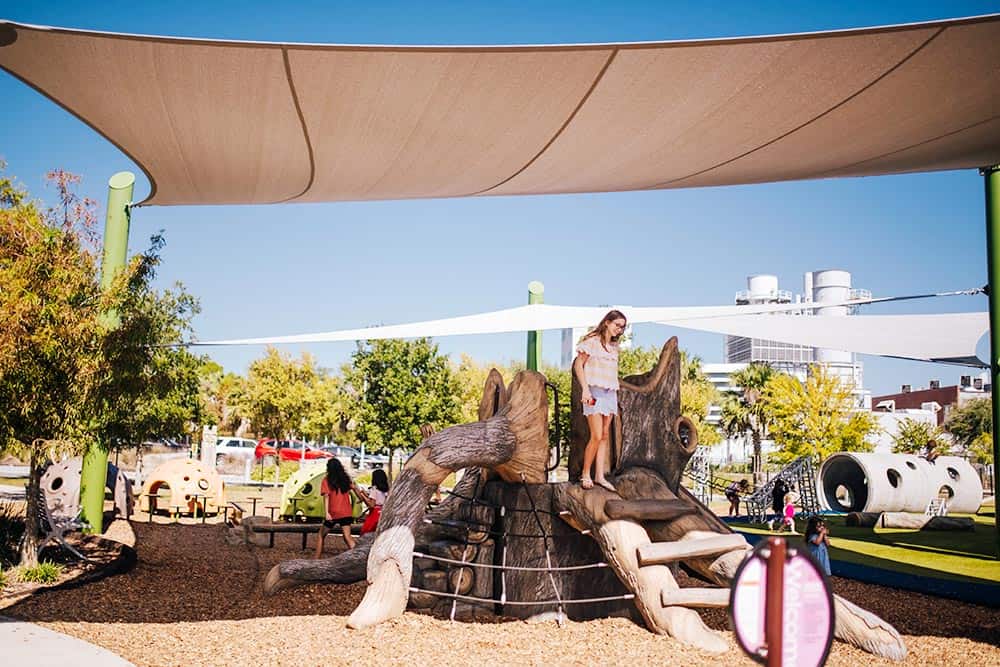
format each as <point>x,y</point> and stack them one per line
<point>242,448</point>
<point>371,461</point>
<point>288,450</point>
<point>345,454</point>
<point>163,443</point>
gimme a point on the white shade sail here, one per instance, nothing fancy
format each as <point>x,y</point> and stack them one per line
<point>534,317</point>
<point>226,122</point>
<point>950,338</point>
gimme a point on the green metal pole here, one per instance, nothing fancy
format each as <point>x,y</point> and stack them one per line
<point>991,177</point>
<point>536,294</point>
<point>93,477</point>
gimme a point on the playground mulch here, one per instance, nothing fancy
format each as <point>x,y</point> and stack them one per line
<point>194,599</point>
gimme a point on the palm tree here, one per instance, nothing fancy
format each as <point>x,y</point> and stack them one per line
<point>744,411</point>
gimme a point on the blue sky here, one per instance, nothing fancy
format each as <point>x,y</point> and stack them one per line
<point>273,270</point>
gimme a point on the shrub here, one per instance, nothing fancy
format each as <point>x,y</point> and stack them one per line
<point>11,531</point>
<point>44,573</point>
<point>287,469</point>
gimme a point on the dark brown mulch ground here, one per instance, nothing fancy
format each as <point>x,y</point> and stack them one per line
<point>194,599</point>
<point>107,555</point>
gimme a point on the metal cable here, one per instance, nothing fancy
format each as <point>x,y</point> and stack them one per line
<point>494,533</point>
<point>545,537</point>
<point>477,501</point>
<point>465,551</point>
<point>567,568</point>
<point>526,603</point>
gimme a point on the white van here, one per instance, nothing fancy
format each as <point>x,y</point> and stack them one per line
<point>241,448</point>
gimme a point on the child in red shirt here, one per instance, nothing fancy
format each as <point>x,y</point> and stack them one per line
<point>337,487</point>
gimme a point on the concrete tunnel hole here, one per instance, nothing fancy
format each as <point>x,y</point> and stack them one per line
<point>845,485</point>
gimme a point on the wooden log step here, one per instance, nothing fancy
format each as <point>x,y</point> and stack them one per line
<point>695,597</point>
<point>460,580</point>
<point>667,552</point>
<point>648,509</point>
<point>284,527</point>
<point>452,550</point>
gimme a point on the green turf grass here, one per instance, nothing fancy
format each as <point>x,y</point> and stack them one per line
<point>961,555</point>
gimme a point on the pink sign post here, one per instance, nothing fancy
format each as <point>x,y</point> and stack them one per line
<point>782,606</point>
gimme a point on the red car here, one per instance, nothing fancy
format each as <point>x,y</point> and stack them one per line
<point>288,450</point>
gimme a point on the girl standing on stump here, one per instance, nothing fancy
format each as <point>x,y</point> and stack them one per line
<point>337,487</point>
<point>596,367</point>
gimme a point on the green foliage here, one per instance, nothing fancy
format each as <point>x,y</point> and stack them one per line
<point>286,397</point>
<point>697,395</point>
<point>559,419</point>
<point>914,437</point>
<point>471,377</point>
<point>397,386</point>
<point>74,373</point>
<point>637,360</point>
<point>285,470</point>
<point>11,530</point>
<point>44,573</point>
<point>223,396</point>
<point>326,407</point>
<point>82,365</point>
<point>972,426</point>
<point>745,412</point>
<point>816,417</point>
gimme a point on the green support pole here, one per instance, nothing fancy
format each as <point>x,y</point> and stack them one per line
<point>536,294</point>
<point>991,177</point>
<point>93,477</point>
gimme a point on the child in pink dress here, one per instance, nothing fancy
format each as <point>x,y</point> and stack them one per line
<point>788,522</point>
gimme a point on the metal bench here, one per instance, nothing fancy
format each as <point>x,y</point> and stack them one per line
<point>54,527</point>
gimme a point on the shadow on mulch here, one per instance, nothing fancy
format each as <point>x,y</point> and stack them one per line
<point>190,573</point>
<point>106,558</point>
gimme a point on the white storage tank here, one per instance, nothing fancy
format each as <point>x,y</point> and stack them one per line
<point>762,287</point>
<point>831,286</point>
<point>859,482</point>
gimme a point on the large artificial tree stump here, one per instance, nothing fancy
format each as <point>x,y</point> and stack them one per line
<point>650,525</point>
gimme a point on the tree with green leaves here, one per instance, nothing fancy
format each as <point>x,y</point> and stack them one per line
<point>746,413</point>
<point>278,393</point>
<point>222,397</point>
<point>913,436</point>
<point>470,377</point>
<point>817,417</point>
<point>326,409</point>
<point>69,377</point>
<point>698,394</point>
<point>971,426</point>
<point>635,360</point>
<point>396,387</point>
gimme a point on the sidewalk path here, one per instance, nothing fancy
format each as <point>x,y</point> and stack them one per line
<point>30,644</point>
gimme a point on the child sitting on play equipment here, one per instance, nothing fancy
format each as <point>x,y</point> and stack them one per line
<point>375,499</point>
<point>337,487</point>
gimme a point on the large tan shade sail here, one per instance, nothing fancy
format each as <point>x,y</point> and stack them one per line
<point>222,122</point>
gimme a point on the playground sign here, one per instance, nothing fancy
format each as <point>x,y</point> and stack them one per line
<point>782,606</point>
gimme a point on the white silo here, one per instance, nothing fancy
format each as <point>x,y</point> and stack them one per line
<point>762,287</point>
<point>832,286</point>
